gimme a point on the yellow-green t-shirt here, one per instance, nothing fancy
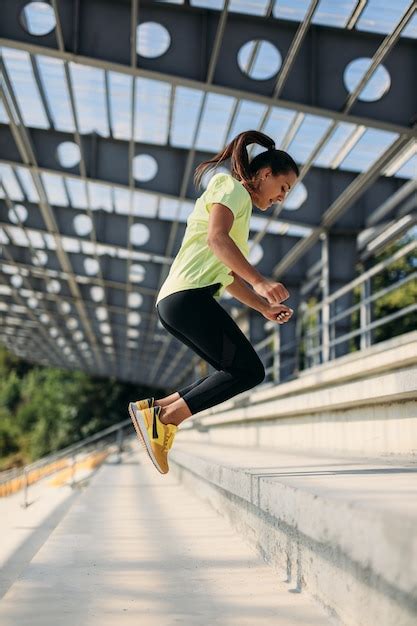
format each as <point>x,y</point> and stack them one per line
<point>195,264</point>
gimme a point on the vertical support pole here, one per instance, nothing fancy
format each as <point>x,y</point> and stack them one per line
<point>73,470</point>
<point>276,375</point>
<point>25,489</point>
<point>325,288</point>
<point>119,444</point>
<point>365,315</point>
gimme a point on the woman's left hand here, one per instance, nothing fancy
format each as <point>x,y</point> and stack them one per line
<point>277,313</point>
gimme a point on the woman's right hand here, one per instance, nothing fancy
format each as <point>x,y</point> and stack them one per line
<point>274,292</point>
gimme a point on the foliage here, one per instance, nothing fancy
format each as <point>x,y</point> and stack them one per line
<point>44,409</point>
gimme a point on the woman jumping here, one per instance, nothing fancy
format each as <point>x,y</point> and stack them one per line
<point>212,258</point>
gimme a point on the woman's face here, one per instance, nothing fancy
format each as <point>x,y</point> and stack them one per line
<point>271,189</point>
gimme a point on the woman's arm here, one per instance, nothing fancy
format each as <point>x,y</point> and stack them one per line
<point>227,251</point>
<point>240,290</point>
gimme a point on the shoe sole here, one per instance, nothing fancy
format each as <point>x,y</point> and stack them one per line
<point>142,433</point>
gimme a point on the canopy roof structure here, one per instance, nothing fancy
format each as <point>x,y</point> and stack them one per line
<point>106,109</point>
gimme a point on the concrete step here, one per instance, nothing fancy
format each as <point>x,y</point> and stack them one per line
<point>342,529</point>
<point>137,548</point>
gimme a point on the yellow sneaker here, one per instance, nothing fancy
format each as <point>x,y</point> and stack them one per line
<point>156,437</point>
<point>145,404</point>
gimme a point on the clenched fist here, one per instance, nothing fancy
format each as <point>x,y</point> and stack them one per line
<point>277,313</point>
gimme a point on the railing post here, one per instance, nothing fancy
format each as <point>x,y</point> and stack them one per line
<point>25,490</point>
<point>325,309</point>
<point>73,457</point>
<point>365,314</point>
<point>119,444</point>
<point>276,357</point>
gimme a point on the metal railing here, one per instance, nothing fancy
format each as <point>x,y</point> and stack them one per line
<point>316,336</point>
<point>111,436</point>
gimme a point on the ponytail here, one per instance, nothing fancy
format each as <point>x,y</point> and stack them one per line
<point>279,161</point>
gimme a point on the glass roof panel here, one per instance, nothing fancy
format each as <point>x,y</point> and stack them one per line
<point>152,105</point>
<point>252,7</point>
<point>382,16</point>
<point>379,16</point>
<point>120,97</point>
<point>77,192</point>
<point>25,178</point>
<point>18,236</point>
<point>411,29</point>
<point>55,190</point>
<point>368,149</point>
<point>248,115</point>
<point>10,183</point>
<point>19,69</point>
<point>4,118</point>
<point>168,209</point>
<point>333,145</point>
<point>36,239</point>
<point>291,9</point>
<point>54,85</point>
<point>100,196</point>
<point>214,122</point>
<point>409,169</point>
<point>3,237</point>
<point>333,12</point>
<point>278,122</point>
<point>187,105</point>
<point>312,129</point>
<point>208,4</point>
<point>121,200</point>
<point>90,98</point>
<point>145,204</point>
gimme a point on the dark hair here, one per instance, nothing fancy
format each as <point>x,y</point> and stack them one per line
<point>279,161</point>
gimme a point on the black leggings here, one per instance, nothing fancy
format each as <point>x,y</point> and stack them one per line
<point>199,321</point>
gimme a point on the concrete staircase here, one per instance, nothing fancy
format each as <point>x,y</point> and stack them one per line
<point>320,475</point>
<point>135,547</point>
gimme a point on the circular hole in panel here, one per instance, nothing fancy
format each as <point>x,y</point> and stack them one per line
<point>41,258</point>
<point>53,286</point>
<point>261,61</point>
<point>107,339</point>
<point>139,234</point>
<point>44,318</point>
<point>296,198</point>
<point>132,333</point>
<point>105,328</point>
<point>97,293</point>
<point>72,323</point>
<point>16,280</point>
<point>145,167</point>
<point>21,212</point>
<point>33,303</point>
<point>82,225</point>
<point>53,331</point>
<point>101,313</point>
<point>137,273</point>
<point>135,300</point>
<point>38,18</point>
<point>78,335</point>
<point>68,154</point>
<point>133,318</point>
<point>152,39</point>
<point>64,307</point>
<point>91,266</point>
<point>377,85</point>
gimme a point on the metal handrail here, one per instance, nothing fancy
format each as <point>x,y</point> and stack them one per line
<point>69,451</point>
